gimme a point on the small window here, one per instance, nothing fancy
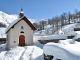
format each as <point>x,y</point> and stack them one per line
<point>22,27</point>
<point>14,41</point>
<point>21,32</point>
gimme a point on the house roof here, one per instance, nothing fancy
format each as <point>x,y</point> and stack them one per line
<point>16,21</point>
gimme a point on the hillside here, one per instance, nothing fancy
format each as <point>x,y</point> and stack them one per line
<point>67,28</point>
<point>64,30</point>
<point>7,18</point>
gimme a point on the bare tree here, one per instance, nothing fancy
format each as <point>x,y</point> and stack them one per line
<point>69,17</point>
<point>56,22</point>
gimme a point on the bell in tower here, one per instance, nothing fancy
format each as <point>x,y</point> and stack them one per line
<point>21,13</point>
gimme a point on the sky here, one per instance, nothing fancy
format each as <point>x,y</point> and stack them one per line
<point>39,9</point>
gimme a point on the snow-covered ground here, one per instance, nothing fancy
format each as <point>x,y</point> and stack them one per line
<point>66,49</point>
<point>21,53</point>
<point>64,30</point>
<point>63,50</point>
<point>68,28</point>
<point>2,32</point>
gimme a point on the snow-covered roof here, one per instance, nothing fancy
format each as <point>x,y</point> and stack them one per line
<point>61,36</point>
<point>11,24</point>
<point>21,12</point>
<point>51,37</point>
<point>16,21</point>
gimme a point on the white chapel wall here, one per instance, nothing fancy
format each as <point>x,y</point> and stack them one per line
<point>15,33</point>
<point>8,41</point>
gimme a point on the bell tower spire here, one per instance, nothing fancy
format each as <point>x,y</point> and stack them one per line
<point>21,9</point>
<point>21,14</point>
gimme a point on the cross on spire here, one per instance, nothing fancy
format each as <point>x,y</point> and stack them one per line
<point>21,8</point>
<point>21,13</point>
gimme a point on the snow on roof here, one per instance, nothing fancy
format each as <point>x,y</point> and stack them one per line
<point>11,24</point>
<point>21,12</point>
<point>2,32</point>
<point>63,36</point>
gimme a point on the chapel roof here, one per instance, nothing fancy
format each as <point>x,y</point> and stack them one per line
<point>17,20</point>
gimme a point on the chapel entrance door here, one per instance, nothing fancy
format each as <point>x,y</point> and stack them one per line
<point>21,40</point>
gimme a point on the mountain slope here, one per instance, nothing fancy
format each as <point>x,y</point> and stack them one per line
<point>68,28</point>
<point>6,18</point>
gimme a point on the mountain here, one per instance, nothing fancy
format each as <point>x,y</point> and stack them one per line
<point>7,18</point>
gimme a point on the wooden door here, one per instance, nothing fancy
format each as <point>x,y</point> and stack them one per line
<point>21,40</point>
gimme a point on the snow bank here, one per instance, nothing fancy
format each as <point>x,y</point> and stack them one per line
<point>65,42</point>
<point>37,53</point>
<point>2,47</point>
<point>62,51</point>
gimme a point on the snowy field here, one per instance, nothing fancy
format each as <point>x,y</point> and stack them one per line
<point>21,53</point>
<point>63,50</point>
<point>67,49</point>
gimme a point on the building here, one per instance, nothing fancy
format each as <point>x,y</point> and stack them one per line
<point>19,32</point>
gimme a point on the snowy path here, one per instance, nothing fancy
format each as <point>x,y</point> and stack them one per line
<point>32,53</point>
<point>22,53</point>
<point>27,53</point>
<point>21,57</point>
<point>14,53</point>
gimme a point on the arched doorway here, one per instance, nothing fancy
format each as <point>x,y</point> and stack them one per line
<point>21,40</point>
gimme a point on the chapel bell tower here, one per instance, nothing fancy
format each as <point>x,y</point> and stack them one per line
<point>21,14</point>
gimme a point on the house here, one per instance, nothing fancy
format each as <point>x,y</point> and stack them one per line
<point>76,29</point>
<point>2,40</point>
<point>19,32</point>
